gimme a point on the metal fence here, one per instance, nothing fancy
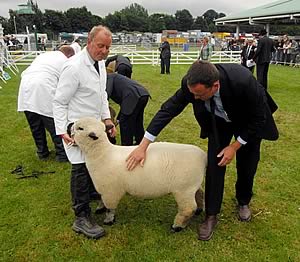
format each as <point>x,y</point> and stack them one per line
<point>139,57</point>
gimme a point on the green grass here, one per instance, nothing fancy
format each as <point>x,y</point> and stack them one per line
<point>36,217</point>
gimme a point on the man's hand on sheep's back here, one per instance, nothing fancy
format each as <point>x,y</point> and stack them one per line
<point>138,155</point>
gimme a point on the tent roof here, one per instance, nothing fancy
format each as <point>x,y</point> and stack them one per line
<point>278,10</point>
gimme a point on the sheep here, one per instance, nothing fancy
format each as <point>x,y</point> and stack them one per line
<point>169,168</point>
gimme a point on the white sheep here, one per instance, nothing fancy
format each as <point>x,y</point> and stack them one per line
<point>169,168</point>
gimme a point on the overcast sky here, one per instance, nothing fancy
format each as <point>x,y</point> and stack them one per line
<point>103,7</point>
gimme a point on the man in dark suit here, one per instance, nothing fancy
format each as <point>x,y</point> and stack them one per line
<point>227,102</point>
<point>132,98</point>
<point>123,65</point>
<point>165,56</point>
<point>262,57</point>
<point>247,54</point>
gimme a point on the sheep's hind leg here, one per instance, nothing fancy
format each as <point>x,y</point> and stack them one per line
<point>110,217</point>
<point>199,197</point>
<point>186,208</point>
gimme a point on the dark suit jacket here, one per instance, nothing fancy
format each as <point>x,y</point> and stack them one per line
<point>243,98</point>
<point>264,50</point>
<point>120,60</point>
<point>165,50</point>
<point>125,92</point>
<point>246,56</point>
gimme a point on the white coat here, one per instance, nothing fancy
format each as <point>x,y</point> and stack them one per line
<point>39,82</point>
<point>76,47</point>
<point>80,93</point>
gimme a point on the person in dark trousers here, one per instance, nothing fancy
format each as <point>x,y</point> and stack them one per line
<point>227,102</point>
<point>123,65</point>
<point>132,98</point>
<point>165,57</point>
<point>81,93</point>
<point>262,57</point>
<point>36,94</point>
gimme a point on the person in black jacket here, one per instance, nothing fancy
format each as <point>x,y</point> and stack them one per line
<point>123,65</point>
<point>165,57</point>
<point>227,102</point>
<point>247,54</point>
<point>132,98</point>
<point>262,57</point>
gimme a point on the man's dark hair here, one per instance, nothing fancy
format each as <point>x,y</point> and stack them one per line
<point>202,72</point>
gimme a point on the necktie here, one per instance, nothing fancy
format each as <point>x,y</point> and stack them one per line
<point>96,65</point>
<point>214,123</point>
<point>248,50</point>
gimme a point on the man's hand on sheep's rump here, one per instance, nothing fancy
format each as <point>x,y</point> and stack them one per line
<point>138,155</point>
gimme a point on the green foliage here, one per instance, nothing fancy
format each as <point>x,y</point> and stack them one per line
<point>184,20</point>
<point>56,21</point>
<point>80,19</point>
<point>36,215</point>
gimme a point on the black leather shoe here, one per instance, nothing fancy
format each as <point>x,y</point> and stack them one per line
<point>244,213</point>
<point>206,229</point>
<point>86,226</point>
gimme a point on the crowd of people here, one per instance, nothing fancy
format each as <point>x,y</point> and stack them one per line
<point>62,86</point>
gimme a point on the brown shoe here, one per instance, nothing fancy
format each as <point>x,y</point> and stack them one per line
<point>244,213</point>
<point>206,229</point>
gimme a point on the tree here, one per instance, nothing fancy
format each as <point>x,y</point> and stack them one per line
<point>156,23</point>
<point>200,24</point>
<point>5,24</point>
<point>113,21</point>
<point>135,18</point>
<point>170,22</point>
<point>80,19</point>
<point>56,22</point>
<point>210,15</point>
<point>184,20</point>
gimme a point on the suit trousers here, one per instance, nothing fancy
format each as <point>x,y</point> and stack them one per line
<point>247,158</point>
<point>262,74</point>
<point>82,190</point>
<point>165,65</point>
<point>38,125</point>
<point>132,126</point>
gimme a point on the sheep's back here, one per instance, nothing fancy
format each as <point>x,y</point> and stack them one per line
<point>168,167</point>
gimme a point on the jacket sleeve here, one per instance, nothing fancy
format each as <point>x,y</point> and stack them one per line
<point>254,103</point>
<point>67,86</point>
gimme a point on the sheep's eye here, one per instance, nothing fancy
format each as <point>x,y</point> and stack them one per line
<point>80,128</point>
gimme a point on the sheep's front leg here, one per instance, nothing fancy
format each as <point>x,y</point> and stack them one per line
<point>111,200</point>
<point>110,217</point>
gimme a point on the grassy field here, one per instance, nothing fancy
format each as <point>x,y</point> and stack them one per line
<point>36,217</point>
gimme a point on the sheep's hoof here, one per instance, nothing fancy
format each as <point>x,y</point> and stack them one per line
<point>109,222</point>
<point>176,229</point>
<point>198,211</point>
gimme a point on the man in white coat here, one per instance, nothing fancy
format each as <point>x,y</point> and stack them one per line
<point>80,93</point>
<point>36,93</point>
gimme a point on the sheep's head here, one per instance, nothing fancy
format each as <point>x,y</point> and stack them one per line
<point>86,131</point>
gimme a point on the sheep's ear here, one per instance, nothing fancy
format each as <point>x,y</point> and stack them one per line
<point>93,136</point>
